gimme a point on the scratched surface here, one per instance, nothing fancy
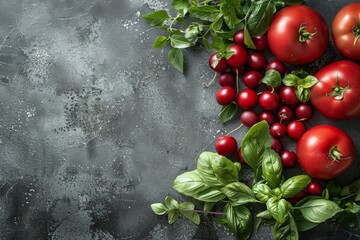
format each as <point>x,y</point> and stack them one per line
<point>95,124</point>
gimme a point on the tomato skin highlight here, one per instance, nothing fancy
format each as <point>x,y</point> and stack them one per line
<point>345,31</point>
<point>346,73</point>
<point>317,147</point>
<point>283,35</point>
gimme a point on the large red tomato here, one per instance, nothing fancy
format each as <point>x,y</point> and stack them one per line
<point>345,31</point>
<point>325,152</point>
<point>298,35</point>
<point>337,94</point>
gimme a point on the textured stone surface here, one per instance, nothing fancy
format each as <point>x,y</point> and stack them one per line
<point>95,124</point>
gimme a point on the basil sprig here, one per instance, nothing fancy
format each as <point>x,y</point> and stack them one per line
<point>302,82</point>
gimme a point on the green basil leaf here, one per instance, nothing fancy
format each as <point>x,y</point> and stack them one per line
<point>239,193</point>
<point>294,185</point>
<point>191,184</point>
<point>301,74</point>
<point>334,188</point>
<point>171,203</point>
<point>264,214</point>
<point>279,209</point>
<point>206,43</point>
<point>238,166</point>
<point>179,41</point>
<point>271,167</point>
<point>218,43</point>
<point>290,80</point>
<point>239,221</point>
<point>272,78</point>
<point>216,170</point>
<point>186,209</point>
<point>303,94</point>
<point>262,192</point>
<point>160,42</point>
<point>349,219</point>
<point>205,13</point>
<point>229,13</point>
<point>208,206</point>
<point>228,112</point>
<point>352,207</point>
<point>255,143</point>
<point>286,230</point>
<point>193,31</point>
<point>319,210</point>
<point>159,208</point>
<point>181,5</point>
<point>303,224</point>
<point>325,194</point>
<point>176,58</point>
<point>353,188</point>
<point>260,17</point>
<point>173,215</point>
<point>247,39</point>
<point>309,81</point>
<point>156,18</point>
<point>292,2</point>
<point>217,24</point>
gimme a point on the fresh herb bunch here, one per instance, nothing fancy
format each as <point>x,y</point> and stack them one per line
<point>216,183</point>
<point>211,24</point>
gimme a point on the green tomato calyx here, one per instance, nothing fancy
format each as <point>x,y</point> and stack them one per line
<point>335,154</point>
<point>356,31</point>
<point>338,91</point>
<point>304,35</point>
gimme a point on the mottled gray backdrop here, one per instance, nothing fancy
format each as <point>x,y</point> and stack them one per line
<point>95,124</point>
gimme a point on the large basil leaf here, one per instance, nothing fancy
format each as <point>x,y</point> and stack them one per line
<point>176,58</point>
<point>319,210</point>
<point>286,230</point>
<point>216,170</point>
<point>260,17</point>
<point>262,192</point>
<point>294,185</point>
<point>239,193</point>
<point>228,112</point>
<point>271,167</point>
<point>303,224</point>
<point>229,12</point>
<point>272,78</point>
<point>179,41</point>
<point>255,142</point>
<point>238,220</point>
<point>205,13</point>
<point>191,184</point>
<point>156,18</point>
<point>279,209</point>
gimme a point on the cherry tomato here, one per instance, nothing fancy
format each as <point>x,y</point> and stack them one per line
<point>337,94</point>
<point>269,100</point>
<point>218,65</point>
<point>276,145</point>
<point>288,96</point>
<point>247,98</point>
<point>238,58</point>
<point>288,159</point>
<point>225,95</point>
<point>227,79</point>
<point>239,37</point>
<point>301,195</point>
<point>285,113</point>
<point>267,116</point>
<point>345,30</point>
<point>248,118</point>
<point>315,188</point>
<point>325,152</point>
<point>257,61</point>
<point>278,130</point>
<point>252,79</point>
<point>260,42</point>
<point>240,157</point>
<point>278,66</point>
<point>298,35</point>
<point>304,111</point>
<point>295,130</point>
<point>226,145</point>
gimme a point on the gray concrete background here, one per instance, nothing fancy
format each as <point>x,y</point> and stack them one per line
<point>95,124</point>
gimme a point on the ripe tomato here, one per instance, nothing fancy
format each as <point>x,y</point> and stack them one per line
<point>337,94</point>
<point>345,31</point>
<point>325,152</point>
<point>298,35</point>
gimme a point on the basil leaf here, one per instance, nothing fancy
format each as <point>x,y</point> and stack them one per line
<point>352,207</point>
<point>279,209</point>
<point>228,112</point>
<point>159,208</point>
<point>191,184</point>
<point>348,218</point>
<point>247,39</point>
<point>160,42</point>
<point>272,78</point>
<point>156,18</point>
<point>300,73</point>
<point>271,167</point>
<point>218,43</point>
<point>206,43</point>
<point>216,170</point>
<point>255,142</point>
<point>260,17</point>
<point>238,193</point>
<point>262,192</point>
<point>171,203</point>
<point>217,24</point>
<point>181,5</point>
<point>264,214</point>
<point>334,188</point>
<point>179,41</point>
<point>186,209</point>
<point>193,31</point>
<point>303,224</point>
<point>205,13</point>
<point>238,220</point>
<point>176,58</point>
<point>208,206</point>
<point>229,12</point>
<point>287,230</point>
<point>294,185</point>
<point>319,210</point>
<point>309,81</point>
<point>290,80</point>
<point>173,215</point>
<point>303,94</point>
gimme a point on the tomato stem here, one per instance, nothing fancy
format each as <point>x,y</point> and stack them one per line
<point>356,30</point>
<point>304,35</point>
<point>335,154</point>
<point>338,91</point>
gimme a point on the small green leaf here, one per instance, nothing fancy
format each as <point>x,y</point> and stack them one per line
<point>186,209</point>
<point>309,81</point>
<point>239,193</point>
<point>159,208</point>
<point>217,24</point>
<point>179,41</point>
<point>303,94</point>
<point>294,185</point>
<point>229,13</point>
<point>176,58</point>
<point>173,215</point>
<point>290,80</point>
<point>193,31</point>
<point>301,74</point>
<point>181,5</point>
<point>348,218</point>
<point>334,188</point>
<point>279,209</point>
<point>247,39</point>
<point>218,43</point>
<point>286,230</point>
<point>262,192</point>
<point>255,143</point>
<point>264,214</point>
<point>156,18</point>
<point>206,43</point>
<point>239,221</point>
<point>272,78</point>
<point>228,112</point>
<point>171,203</point>
<point>352,207</point>
<point>319,210</point>
<point>160,42</point>
<point>271,167</point>
<point>205,13</point>
<point>260,17</point>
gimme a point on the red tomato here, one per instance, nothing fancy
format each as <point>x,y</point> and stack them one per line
<point>325,152</point>
<point>298,35</point>
<point>337,94</point>
<point>345,31</point>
